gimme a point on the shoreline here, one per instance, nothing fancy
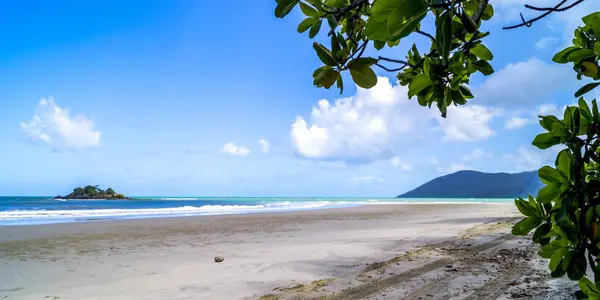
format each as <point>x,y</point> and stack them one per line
<point>344,253</point>
<point>57,216</point>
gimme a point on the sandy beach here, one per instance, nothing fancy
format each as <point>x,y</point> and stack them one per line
<point>368,252</point>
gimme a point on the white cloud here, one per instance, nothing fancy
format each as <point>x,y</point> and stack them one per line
<point>52,125</point>
<point>367,179</point>
<point>469,123</point>
<point>528,158</point>
<point>476,154</point>
<point>381,121</point>
<point>366,127</point>
<point>516,122</point>
<point>399,164</point>
<point>546,43</point>
<point>232,149</point>
<point>264,146</point>
<point>523,84</point>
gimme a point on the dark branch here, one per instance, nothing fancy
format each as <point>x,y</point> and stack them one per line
<point>392,70</point>
<point>552,8</point>
<point>392,60</point>
<point>426,34</point>
<point>547,11</point>
<point>479,12</point>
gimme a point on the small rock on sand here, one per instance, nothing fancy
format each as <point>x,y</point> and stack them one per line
<point>219,258</point>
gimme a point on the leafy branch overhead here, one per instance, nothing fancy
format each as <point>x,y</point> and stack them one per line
<point>439,75</point>
<point>565,214</point>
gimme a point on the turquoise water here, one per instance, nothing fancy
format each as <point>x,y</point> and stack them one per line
<point>45,210</point>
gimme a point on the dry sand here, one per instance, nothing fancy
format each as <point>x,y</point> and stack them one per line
<point>369,252</point>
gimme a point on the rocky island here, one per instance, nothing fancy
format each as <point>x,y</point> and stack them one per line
<point>93,192</point>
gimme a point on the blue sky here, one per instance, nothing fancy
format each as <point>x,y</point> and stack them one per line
<point>173,98</point>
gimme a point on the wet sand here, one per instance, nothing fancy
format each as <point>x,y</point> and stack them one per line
<point>370,252</point>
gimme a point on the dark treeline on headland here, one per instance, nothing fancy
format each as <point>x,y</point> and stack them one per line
<point>92,192</point>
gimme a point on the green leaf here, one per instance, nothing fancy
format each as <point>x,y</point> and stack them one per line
<point>577,266</point>
<point>525,208</point>
<point>443,35</point>
<point>557,257</point>
<point>524,226</point>
<point>363,75</point>
<point>548,193</point>
<point>547,121</point>
<point>381,9</point>
<point>305,24</point>
<point>586,88</point>
<point>548,249</point>
<point>587,286</point>
<point>546,140</point>
<point>580,54</point>
<point>562,56</point>
<point>597,48</point>
<point>314,30</point>
<point>309,10</point>
<point>325,77</point>
<point>284,7</point>
<point>563,161</point>
<point>418,83</point>
<point>484,67</point>
<point>408,27</point>
<point>585,109</point>
<point>406,12</point>
<point>458,98</point>
<point>340,84</point>
<point>488,12</point>
<point>324,54</point>
<point>482,52</point>
<point>376,31</point>
<point>550,175</point>
<point>594,109</point>
<point>379,45</point>
<point>465,91</point>
<point>540,232</point>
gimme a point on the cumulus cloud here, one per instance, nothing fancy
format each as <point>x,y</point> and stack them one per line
<point>52,125</point>
<point>377,123</point>
<point>516,122</point>
<point>367,179</point>
<point>469,123</point>
<point>527,158</point>
<point>265,147</point>
<point>232,149</point>
<point>523,84</point>
<point>398,163</point>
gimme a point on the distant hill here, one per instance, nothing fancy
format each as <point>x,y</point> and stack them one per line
<point>474,184</point>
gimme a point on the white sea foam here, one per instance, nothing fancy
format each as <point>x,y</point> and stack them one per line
<point>176,211</point>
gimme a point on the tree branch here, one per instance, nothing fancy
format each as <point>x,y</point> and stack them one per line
<point>426,34</point>
<point>479,12</point>
<point>552,8</point>
<point>391,70</point>
<point>547,11</point>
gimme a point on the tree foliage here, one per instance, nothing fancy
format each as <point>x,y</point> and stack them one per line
<point>438,76</point>
<point>565,213</point>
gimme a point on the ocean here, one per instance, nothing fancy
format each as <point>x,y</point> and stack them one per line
<point>45,210</point>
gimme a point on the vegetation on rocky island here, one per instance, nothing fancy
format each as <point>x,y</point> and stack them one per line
<point>92,192</point>
<point>565,213</point>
